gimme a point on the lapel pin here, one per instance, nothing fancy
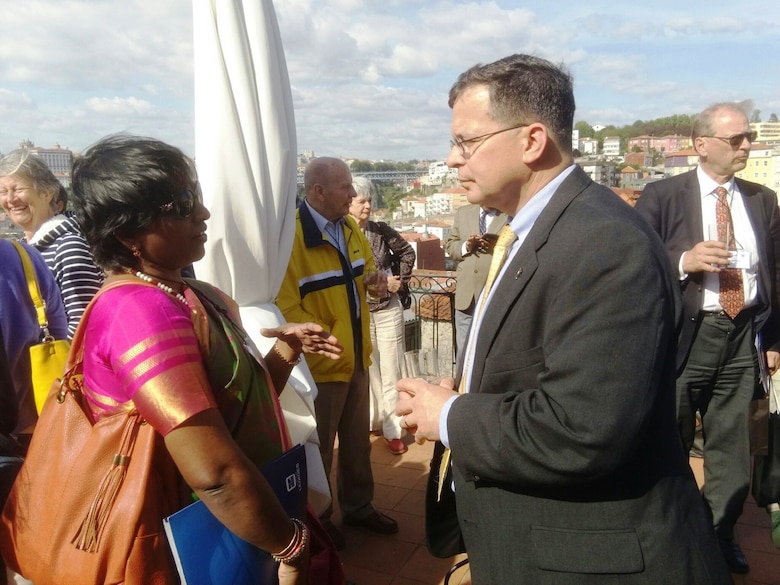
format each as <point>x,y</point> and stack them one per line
<point>518,273</point>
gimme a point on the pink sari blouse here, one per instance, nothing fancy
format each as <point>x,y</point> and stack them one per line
<point>140,346</point>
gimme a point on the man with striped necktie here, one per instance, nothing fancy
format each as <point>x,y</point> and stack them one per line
<point>470,243</point>
<point>727,276</point>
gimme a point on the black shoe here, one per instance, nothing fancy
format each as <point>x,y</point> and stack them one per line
<point>375,522</point>
<point>735,560</point>
<point>335,534</point>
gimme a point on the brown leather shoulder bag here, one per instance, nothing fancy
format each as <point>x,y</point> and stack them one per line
<point>88,503</point>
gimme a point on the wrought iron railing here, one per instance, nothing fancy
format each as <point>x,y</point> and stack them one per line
<point>430,320</point>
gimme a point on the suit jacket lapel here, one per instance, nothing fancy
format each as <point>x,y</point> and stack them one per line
<point>692,205</point>
<point>755,212</point>
<point>472,223</point>
<point>758,221</point>
<point>522,267</point>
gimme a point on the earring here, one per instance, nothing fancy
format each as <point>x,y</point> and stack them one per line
<point>136,252</point>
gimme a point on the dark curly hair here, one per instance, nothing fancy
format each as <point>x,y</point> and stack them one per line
<point>119,185</point>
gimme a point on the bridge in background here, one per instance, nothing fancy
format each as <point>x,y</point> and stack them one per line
<point>384,176</point>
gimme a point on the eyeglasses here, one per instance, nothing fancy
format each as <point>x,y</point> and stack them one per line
<point>461,144</point>
<point>736,140</point>
<point>184,203</point>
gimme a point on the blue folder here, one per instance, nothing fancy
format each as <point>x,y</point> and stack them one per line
<point>207,553</point>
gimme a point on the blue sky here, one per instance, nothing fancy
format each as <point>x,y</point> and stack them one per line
<point>370,77</point>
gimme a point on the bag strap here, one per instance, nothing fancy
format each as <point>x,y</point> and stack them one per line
<point>76,353</point>
<point>35,291</point>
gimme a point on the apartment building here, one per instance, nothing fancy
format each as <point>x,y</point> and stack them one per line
<point>669,143</point>
<point>611,149</point>
<point>588,146</point>
<point>438,173</point>
<point>681,161</point>
<point>768,132</point>
<point>58,159</point>
<point>438,204</point>
<point>604,173</point>
<point>763,166</point>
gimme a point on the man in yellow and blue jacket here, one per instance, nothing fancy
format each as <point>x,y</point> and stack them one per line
<point>325,282</point>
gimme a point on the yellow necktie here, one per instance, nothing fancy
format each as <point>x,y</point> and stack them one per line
<point>506,238</point>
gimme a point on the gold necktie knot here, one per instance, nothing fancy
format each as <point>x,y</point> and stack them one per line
<point>505,239</point>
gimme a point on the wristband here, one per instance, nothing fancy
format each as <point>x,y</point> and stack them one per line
<point>284,359</point>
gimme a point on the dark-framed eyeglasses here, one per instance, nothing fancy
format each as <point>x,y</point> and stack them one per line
<point>184,203</point>
<point>736,140</point>
<point>461,144</point>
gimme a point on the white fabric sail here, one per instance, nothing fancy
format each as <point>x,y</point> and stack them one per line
<point>246,155</point>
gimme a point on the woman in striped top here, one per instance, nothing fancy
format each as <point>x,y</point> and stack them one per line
<point>34,199</point>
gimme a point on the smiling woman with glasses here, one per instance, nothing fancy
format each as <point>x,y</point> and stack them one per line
<point>34,199</point>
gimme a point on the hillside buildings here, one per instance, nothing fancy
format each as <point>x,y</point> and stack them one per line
<point>58,159</point>
<point>670,143</point>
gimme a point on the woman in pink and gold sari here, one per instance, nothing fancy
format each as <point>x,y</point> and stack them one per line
<point>176,349</point>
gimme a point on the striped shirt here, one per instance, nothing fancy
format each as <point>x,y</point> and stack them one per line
<point>63,247</point>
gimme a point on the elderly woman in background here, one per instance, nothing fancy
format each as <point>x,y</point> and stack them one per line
<point>34,199</point>
<point>387,321</point>
<point>210,394</point>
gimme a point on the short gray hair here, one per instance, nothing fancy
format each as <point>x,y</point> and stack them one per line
<point>364,187</point>
<point>703,122</point>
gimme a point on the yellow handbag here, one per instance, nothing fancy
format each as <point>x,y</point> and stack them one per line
<point>47,359</point>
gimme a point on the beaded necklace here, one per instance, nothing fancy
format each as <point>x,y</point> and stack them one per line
<point>162,286</point>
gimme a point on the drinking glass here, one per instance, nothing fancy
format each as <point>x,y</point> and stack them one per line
<point>719,235</point>
<point>372,290</point>
<point>422,363</point>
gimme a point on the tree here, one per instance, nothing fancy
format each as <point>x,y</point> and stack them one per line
<point>585,129</point>
<point>391,195</point>
<point>361,166</point>
<point>773,118</point>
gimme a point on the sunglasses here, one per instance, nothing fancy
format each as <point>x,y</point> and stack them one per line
<point>736,140</point>
<point>184,203</point>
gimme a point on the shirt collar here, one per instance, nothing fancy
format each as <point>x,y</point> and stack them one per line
<point>522,223</point>
<point>321,221</point>
<point>708,185</point>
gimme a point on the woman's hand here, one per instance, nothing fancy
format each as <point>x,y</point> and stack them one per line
<point>393,284</point>
<point>306,338</point>
<point>296,573</point>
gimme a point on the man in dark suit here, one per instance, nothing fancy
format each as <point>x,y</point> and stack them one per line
<point>716,357</point>
<point>566,460</point>
<point>470,243</point>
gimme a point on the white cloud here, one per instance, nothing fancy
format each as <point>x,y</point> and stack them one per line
<point>370,77</point>
<point>11,101</point>
<point>119,106</point>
